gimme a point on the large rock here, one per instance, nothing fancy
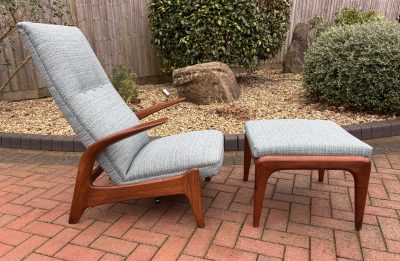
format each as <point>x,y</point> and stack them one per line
<point>294,59</point>
<point>206,83</point>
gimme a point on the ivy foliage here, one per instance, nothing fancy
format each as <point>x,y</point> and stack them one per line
<point>277,16</point>
<point>357,67</point>
<point>188,32</point>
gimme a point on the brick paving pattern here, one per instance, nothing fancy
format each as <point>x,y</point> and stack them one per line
<point>302,219</point>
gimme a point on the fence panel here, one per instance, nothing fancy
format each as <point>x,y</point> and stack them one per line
<point>119,33</point>
<point>303,10</point>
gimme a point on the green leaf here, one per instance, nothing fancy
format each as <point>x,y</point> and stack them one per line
<point>195,31</point>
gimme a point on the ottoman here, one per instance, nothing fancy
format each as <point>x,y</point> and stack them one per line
<point>305,144</point>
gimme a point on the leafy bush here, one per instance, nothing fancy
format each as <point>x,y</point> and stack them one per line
<point>188,32</point>
<point>347,16</point>
<point>124,82</point>
<point>356,66</point>
<point>277,15</point>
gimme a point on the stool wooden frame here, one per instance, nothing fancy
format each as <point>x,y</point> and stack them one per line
<point>359,167</point>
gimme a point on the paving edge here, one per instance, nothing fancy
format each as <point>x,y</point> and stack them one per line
<point>364,131</point>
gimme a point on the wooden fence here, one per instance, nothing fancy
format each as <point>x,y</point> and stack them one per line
<point>303,10</point>
<point>119,34</point>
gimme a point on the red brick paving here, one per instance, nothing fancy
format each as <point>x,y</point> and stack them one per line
<point>302,219</point>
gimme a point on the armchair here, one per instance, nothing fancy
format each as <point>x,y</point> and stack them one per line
<point>112,134</point>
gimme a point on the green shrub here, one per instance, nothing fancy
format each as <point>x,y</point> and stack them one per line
<point>356,66</point>
<point>277,15</point>
<point>347,16</point>
<point>124,82</point>
<point>188,32</point>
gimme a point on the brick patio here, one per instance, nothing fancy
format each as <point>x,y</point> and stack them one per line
<point>302,219</point>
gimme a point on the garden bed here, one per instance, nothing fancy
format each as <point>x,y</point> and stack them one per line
<point>267,94</point>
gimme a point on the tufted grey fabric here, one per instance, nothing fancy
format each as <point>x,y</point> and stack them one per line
<point>175,154</point>
<point>82,90</point>
<point>302,137</point>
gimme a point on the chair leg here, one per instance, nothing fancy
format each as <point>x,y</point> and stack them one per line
<point>80,198</point>
<point>321,175</point>
<point>193,192</point>
<point>247,159</point>
<point>260,186</point>
<point>361,180</point>
<point>75,214</point>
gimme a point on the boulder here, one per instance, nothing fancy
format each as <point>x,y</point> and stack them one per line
<point>294,59</point>
<point>206,83</point>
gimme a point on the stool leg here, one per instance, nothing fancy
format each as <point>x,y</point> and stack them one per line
<point>321,175</point>
<point>361,180</point>
<point>247,159</point>
<point>260,185</point>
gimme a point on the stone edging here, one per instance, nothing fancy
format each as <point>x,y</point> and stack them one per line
<point>364,131</point>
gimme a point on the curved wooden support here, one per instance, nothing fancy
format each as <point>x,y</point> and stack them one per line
<point>87,195</point>
<point>187,184</point>
<point>86,175</point>
<point>93,150</point>
<point>148,111</point>
<point>96,173</point>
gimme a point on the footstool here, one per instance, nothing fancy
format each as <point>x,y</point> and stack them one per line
<point>305,144</point>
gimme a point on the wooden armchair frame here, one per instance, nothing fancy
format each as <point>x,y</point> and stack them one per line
<point>86,194</point>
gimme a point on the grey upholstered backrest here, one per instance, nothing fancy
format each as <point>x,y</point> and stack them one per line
<point>82,90</point>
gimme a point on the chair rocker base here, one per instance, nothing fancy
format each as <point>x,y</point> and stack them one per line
<point>88,195</point>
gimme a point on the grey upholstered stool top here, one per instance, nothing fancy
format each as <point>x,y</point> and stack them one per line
<point>302,137</point>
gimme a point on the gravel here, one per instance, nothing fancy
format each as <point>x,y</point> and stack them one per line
<point>266,94</point>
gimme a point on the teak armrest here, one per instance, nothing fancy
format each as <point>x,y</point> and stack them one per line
<point>88,157</point>
<point>101,144</point>
<point>148,111</point>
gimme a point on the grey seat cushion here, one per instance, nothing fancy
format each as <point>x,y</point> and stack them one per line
<point>82,90</point>
<point>302,137</point>
<point>173,155</point>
